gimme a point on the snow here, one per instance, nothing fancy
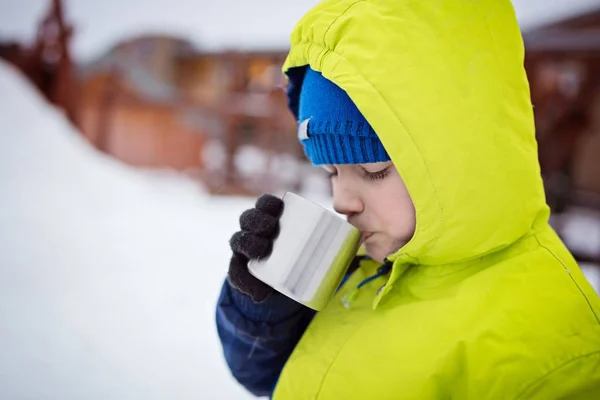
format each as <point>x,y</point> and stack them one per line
<point>258,24</point>
<point>581,230</point>
<point>108,275</point>
<point>592,273</point>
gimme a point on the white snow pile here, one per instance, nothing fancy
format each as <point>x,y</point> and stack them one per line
<point>108,277</point>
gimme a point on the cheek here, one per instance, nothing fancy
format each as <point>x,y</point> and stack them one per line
<point>398,217</point>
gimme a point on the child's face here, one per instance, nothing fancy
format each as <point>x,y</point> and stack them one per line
<point>375,200</point>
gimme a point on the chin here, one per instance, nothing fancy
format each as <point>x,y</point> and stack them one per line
<point>379,253</point>
<point>376,253</point>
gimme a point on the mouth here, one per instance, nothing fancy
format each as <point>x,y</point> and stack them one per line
<point>366,235</point>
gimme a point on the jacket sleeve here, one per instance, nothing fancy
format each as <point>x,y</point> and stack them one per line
<point>258,338</point>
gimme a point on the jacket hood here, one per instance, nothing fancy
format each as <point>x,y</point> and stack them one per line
<point>444,86</point>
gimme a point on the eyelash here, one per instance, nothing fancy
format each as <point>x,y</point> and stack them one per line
<point>376,176</point>
<point>371,176</point>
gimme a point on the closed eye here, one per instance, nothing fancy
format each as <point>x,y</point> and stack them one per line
<point>377,175</point>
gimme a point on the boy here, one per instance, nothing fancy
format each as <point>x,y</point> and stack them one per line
<point>420,110</point>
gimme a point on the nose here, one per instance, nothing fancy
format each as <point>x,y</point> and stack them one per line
<point>345,200</point>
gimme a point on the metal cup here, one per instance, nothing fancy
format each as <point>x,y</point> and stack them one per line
<point>310,255</point>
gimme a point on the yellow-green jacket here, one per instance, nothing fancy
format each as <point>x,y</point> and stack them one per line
<point>484,302</point>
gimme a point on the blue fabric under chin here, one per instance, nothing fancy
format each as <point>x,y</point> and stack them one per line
<point>330,127</point>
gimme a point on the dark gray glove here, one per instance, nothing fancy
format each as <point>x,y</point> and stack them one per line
<point>259,228</point>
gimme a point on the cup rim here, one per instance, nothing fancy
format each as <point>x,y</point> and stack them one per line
<point>318,205</point>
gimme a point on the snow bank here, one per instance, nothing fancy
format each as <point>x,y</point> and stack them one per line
<point>108,277</point>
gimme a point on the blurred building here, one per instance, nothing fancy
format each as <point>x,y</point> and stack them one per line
<point>47,61</point>
<point>160,102</point>
<point>130,107</point>
<point>563,64</point>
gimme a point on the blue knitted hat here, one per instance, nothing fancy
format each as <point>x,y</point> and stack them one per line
<point>331,128</point>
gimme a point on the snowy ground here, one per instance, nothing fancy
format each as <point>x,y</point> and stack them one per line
<point>108,276</point>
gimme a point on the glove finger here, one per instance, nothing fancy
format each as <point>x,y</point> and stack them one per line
<point>259,223</point>
<point>243,281</point>
<point>252,246</point>
<point>270,204</point>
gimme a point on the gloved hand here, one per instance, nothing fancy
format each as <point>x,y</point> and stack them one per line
<point>259,228</point>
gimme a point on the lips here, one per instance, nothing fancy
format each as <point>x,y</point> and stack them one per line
<point>366,235</point>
